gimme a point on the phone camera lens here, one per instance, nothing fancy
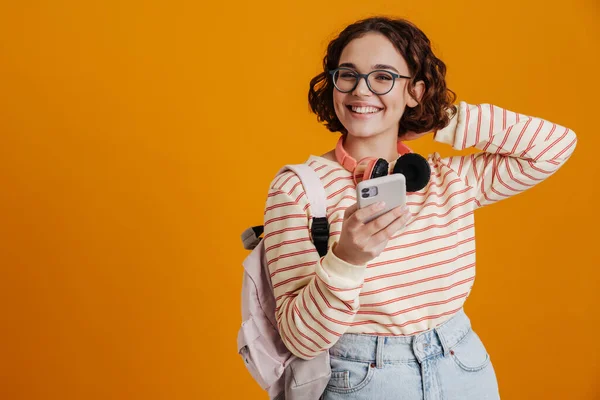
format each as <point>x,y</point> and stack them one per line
<point>365,195</point>
<point>365,190</point>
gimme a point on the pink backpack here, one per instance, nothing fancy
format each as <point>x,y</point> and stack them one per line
<point>271,364</point>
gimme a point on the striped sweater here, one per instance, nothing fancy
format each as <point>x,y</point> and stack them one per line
<point>427,269</point>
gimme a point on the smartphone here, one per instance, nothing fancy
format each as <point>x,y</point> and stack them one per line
<point>390,188</point>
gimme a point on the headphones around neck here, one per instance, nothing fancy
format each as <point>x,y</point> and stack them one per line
<point>413,166</point>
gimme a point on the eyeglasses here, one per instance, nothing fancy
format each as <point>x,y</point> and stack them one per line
<point>378,81</point>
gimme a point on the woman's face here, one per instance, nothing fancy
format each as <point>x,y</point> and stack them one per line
<point>383,112</point>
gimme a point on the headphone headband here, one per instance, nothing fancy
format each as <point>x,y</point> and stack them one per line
<point>350,163</point>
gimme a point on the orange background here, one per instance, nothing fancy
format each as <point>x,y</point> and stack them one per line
<point>137,142</point>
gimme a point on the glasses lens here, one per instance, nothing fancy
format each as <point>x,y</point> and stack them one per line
<point>381,81</point>
<point>344,80</point>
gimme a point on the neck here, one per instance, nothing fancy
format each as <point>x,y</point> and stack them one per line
<point>379,146</point>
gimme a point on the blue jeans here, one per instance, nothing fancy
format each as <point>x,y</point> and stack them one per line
<point>448,362</point>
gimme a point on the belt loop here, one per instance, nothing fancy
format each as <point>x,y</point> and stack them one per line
<point>379,356</point>
<point>443,342</point>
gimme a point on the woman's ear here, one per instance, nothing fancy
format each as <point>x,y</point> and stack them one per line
<point>419,90</point>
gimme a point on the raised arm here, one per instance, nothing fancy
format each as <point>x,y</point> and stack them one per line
<point>518,151</point>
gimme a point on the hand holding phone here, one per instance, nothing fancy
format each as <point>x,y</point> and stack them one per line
<point>367,225</point>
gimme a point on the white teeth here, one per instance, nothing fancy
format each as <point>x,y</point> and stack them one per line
<point>365,110</point>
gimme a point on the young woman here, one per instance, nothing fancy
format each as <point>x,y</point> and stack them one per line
<point>387,299</point>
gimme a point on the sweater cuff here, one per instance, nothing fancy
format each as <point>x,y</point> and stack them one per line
<point>447,134</point>
<point>339,273</point>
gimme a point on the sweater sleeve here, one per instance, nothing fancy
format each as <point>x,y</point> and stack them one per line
<point>518,151</point>
<point>316,297</point>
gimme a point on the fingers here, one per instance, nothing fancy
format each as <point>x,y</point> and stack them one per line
<point>383,220</point>
<point>350,210</point>
<point>398,217</point>
<point>366,241</point>
<point>362,214</point>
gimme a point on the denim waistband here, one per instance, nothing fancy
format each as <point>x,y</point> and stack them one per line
<point>398,349</point>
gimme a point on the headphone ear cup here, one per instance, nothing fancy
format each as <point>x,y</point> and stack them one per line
<point>415,169</point>
<point>376,168</point>
<point>380,168</point>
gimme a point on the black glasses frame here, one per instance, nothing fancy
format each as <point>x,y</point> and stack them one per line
<point>366,78</point>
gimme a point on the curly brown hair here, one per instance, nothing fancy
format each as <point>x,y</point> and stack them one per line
<point>435,106</point>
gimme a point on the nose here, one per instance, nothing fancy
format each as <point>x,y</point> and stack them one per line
<point>361,89</point>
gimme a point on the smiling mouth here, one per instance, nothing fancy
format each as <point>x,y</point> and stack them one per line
<point>364,110</point>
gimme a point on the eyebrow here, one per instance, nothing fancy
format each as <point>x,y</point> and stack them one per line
<point>376,66</point>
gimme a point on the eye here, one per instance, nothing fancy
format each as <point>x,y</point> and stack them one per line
<point>383,76</point>
<point>347,74</point>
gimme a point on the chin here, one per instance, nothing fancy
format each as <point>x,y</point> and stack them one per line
<point>361,134</point>
<point>363,131</point>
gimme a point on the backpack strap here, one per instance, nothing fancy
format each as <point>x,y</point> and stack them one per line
<point>318,201</point>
